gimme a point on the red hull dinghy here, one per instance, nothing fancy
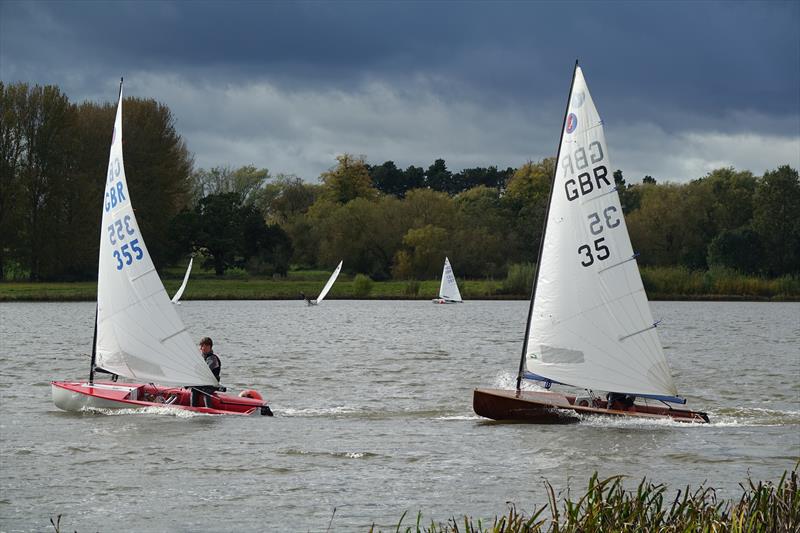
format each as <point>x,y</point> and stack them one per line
<point>82,395</point>
<point>589,322</point>
<point>138,333</point>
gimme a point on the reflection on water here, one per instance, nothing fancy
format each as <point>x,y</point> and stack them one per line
<point>374,418</point>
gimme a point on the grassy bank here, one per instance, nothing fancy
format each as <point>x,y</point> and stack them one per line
<point>660,283</point>
<point>607,506</point>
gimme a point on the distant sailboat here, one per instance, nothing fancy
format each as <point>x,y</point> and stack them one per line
<point>327,286</point>
<point>138,333</point>
<point>589,322</point>
<point>448,288</point>
<point>183,285</point>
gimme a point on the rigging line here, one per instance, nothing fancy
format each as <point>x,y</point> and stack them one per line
<point>631,258</point>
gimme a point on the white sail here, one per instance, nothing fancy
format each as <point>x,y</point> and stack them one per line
<point>591,325</point>
<point>139,333</point>
<point>185,281</point>
<point>329,284</point>
<point>448,289</point>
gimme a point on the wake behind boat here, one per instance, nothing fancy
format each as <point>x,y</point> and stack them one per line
<point>138,333</point>
<point>589,323</point>
<point>448,288</point>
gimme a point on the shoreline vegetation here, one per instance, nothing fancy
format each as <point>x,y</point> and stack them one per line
<point>661,283</point>
<point>607,506</point>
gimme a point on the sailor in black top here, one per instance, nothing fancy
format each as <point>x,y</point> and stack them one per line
<point>214,363</point>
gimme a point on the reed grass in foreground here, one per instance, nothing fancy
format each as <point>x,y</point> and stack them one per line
<point>608,507</point>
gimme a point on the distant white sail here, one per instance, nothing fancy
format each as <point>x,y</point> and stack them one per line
<point>183,285</point>
<point>448,289</point>
<point>139,333</point>
<point>329,284</point>
<point>591,325</point>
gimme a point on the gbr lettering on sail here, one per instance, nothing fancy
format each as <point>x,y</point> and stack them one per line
<point>587,173</point>
<point>122,235</point>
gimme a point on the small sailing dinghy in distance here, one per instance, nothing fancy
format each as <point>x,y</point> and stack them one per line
<point>177,297</point>
<point>589,322</point>
<point>138,333</point>
<point>327,286</point>
<point>448,288</point>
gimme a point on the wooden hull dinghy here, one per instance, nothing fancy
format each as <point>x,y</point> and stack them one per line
<point>589,322</point>
<point>79,396</point>
<point>543,407</point>
<point>138,334</point>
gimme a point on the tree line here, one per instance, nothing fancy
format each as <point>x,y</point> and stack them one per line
<point>384,221</point>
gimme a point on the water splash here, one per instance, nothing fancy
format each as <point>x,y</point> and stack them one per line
<point>169,411</point>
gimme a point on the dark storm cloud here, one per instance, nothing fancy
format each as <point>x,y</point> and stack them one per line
<point>672,69</point>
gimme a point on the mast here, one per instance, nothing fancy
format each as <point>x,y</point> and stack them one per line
<point>94,347</point>
<point>544,232</point>
<point>97,307</point>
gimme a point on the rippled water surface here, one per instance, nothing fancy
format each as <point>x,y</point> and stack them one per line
<point>373,418</point>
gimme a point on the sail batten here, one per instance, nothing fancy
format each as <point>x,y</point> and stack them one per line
<point>139,333</point>
<point>589,307</point>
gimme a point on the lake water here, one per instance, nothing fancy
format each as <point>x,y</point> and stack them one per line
<point>373,419</point>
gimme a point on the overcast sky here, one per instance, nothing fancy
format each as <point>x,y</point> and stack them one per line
<point>683,87</point>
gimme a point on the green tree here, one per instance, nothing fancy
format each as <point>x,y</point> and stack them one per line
<point>426,248</point>
<point>348,180</point>
<point>670,227</point>
<point>438,178</point>
<point>629,197</point>
<point>12,101</point>
<point>388,179</point>
<point>424,206</point>
<point>414,178</point>
<point>776,219</point>
<point>246,181</point>
<point>285,197</point>
<point>738,249</point>
<point>362,232</point>
<point>46,124</point>
<point>220,228</point>
<point>526,198</point>
<point>731,193</point>
<point>483,177</point>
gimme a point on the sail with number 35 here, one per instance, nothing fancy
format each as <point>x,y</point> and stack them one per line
<point>589,323</point>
